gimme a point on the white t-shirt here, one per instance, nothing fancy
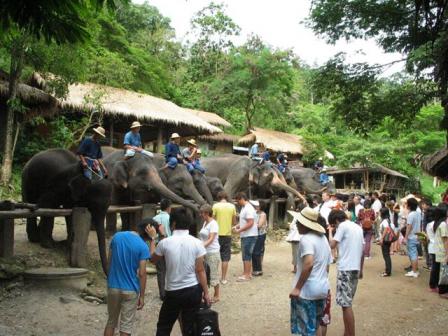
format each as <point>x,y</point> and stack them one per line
<point>317,285</point>
<point>180,252</point>
<point>357,208</point>
<point>248,212</point>
<point>205,232</point>
<point>325,209</point>
<point>351,241</point>
<point>431,236</point>
<point>376,206</point>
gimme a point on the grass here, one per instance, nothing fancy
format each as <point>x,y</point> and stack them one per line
<point>14,191</point>
<point>429,190</point>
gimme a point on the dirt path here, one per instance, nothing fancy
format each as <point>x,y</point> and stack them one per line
<point>383,306</point>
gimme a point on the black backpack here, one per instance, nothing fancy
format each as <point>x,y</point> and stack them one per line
<point>207,322</point>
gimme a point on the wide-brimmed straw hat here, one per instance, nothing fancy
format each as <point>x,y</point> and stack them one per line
<point>135,124</point>
<point>101,131</point>
<point>308,218</point>
<point>192,142</point>
<point>175,136</point>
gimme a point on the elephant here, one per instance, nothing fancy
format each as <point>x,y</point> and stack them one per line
<point>215,185</point>
<point>54,178</point>
<point>307,180</point>
<point>240,173</point>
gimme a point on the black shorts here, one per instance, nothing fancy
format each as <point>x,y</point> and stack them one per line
<point>225,244</point>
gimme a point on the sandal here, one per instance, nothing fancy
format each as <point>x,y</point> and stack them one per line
<point>214,300</point>
<point>242,279</point>
<point>384,274</point>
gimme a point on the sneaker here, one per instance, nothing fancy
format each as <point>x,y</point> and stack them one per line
<point>368,258</point>
<point>224,282</point>
<point>412,274</point>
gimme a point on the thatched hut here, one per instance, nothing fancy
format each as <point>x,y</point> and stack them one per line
<point>436,164</point>
<point>275,141</point>
<point>369,178</point>
<point>120,107</point>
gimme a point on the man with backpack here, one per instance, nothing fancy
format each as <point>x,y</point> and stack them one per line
<point>366,218</point>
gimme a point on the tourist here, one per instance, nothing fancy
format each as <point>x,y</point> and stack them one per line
<point>262,223</point>
<point>351,208</point>
<point>186,281</point>
<point>358,205</point>
<point>413,223</point>
<point>366,218</point>
<point>441,250</point>
<point>438,215</point>
<point>248,233</point>
<point>126,280</point>
<point>326,205</point>
<point>225,214</point>
<point>425,205</point>
<point>394,218</point>
<point>349,239</point>
<point>293,238</point>
<point>388,231</point>
<point>163,219</point>
<point>90,154</point>
<point>192,157</point>
<point>133,142</point>
<point>172,151</point>
<point>209,237</point>
<point>310,285</point>
<point>376,206</point>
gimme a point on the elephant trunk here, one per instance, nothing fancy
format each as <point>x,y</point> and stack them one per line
<point>204,190</point>
<point>314,191</point>
<point>98,221</point>
<point>190,190</point>
<point>278,183</point>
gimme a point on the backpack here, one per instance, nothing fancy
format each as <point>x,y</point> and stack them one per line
<point>367,219</point>
<point>390,236</point>
<point>207,322</point>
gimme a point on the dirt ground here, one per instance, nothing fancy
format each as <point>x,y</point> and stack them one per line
<point>383,306</point>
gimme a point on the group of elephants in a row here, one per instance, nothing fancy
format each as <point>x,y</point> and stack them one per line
<point>54,179</point>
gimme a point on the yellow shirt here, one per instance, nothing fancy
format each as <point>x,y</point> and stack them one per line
<point>223,212</point>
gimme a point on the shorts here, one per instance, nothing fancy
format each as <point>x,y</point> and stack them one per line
<point>346,285</point>
<point>412,245</point>
<point>121,304</point>
<point>247,247</point>
<point>326,319</point>
<point>213,260</point>
<point>225,247</point>
<point>306,316</point>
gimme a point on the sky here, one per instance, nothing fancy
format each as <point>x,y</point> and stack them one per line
<point>278,22</point>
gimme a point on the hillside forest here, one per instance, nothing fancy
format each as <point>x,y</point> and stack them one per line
<point>350,110</point>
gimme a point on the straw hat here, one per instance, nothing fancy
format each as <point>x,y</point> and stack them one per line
<point>101,131</point>
<point>254,203</point>
<point>135,124</point>
<point>192,142</point>
<point>308,218</point>
<point>175,136</point>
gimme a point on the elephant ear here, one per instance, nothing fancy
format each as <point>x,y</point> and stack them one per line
<point>78,186</point>
<point>120,175</point>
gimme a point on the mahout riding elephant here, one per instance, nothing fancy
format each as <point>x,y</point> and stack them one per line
<point>240,173</point>
<point>182,182</point>
<point>54,178</point>
<point>307,180</point>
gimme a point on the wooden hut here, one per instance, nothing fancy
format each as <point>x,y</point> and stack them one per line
<point>275,141</point>
<point>436,164</point>
<point>364,179</point>
<point>119,107</point>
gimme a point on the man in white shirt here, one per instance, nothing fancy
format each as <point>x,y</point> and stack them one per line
<point>186,281</point>
<point>349,238</point>
<point>326,206</point>
<point>248,233</point>
<point>358,205</point>
<point>310,285</point>
<point>376,206</point>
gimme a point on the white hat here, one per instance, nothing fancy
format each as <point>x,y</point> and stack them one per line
<point>192,142</point>
<point>308,218</point>
<point>174,136</point>
<point>101,131</point>
<point>254,203</point>
<point>135,124</point>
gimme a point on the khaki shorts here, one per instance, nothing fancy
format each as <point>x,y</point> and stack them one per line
<point>213,260</point>
<point>121,304</point>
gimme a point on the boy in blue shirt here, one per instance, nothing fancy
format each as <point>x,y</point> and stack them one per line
<point>126,280</point>
<point>90,154</point>
<point>172,151</point>
<point>133,142</point>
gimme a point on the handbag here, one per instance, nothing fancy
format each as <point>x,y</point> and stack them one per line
<point>443,278</point>
<point>207,323</point>
<point>390,235</point>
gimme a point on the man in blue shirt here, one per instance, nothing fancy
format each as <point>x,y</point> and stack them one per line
<point>254,151</point>
<point>90,154</point>
<point>126,281</point>
<point>282,162</point>
<point>133,142</point>
<point>172,151</point>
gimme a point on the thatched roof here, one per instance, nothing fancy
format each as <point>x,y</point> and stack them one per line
<point>436,164</point>
<point>28,94</point>
<point>274,140</point>
<point>210,117</point>
<point>359,169</point>
<point>221,137</point>
<point>140,106</point>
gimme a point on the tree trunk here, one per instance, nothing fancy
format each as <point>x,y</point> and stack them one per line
<point>17,56</point>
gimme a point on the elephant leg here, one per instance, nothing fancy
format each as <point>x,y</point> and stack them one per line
<point>125,221</point>
<point>32,230</point>
<point>46,232</point>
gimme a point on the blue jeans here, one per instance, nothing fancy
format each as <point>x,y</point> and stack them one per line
<point>91,165</point>
<point>258,253</point>
<point>247,247</point>
<point>413,244</point>
<point>172,162</point>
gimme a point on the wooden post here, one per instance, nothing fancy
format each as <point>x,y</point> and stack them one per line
<point>111,132</point>
<point>159,140</point>
<point>6,237</point>
<point>81,220</point>
<point>111,224</point>
<point>149,210</point>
